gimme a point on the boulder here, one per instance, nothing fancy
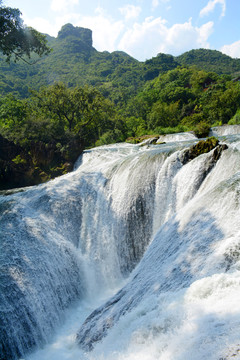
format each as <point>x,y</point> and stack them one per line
<point>203,146</point>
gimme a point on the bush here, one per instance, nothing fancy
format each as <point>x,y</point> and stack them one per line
<point>169,130</point>
<point>235,120</point>
<point>19,160</point>
<point>193,119</point>
<point>110,137</point>
<point>202,129</point>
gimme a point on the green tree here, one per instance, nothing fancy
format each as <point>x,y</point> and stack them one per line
<point>163,115</point>
<point>18,40</point>
<point>220,103</point>
<point>201,80</point>
<point>12,116</point>
<point>81,110</point>
<point>135,126</point>
<point>235,119</point>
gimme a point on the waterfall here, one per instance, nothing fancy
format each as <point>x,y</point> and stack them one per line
<point>225,130</point>
<point>134,215</point>
<point>186,136</point>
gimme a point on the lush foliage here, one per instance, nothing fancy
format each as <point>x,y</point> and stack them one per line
<point>78,97</point>
<point>210,60</point>
<point>186,98</point>
<point>17,40</point>
<point>41,137</point>
<point>56,113</point>
<point>180,99</point>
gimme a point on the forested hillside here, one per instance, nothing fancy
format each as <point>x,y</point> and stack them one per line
<point>210,60</point>
<point>76,97</point>
<point>75,62</point>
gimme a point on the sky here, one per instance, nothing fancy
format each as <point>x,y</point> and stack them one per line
<point>142,28</point>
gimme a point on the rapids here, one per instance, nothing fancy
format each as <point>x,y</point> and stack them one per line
<point>133,255</point>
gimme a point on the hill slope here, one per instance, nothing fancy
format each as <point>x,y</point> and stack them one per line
<point>210,60</point>
<point>75,61</point>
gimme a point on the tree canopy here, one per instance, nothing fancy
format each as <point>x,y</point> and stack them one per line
<point>16,39</point>
<point>78,97</point>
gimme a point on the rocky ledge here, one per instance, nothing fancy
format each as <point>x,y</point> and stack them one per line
<point>39,163</point>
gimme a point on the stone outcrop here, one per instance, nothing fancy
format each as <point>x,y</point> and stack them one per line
<point>85,35</point>
<point>76,39</point>
<point>202,147</point>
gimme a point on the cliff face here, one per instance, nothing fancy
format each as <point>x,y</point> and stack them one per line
<point>76,39</point>
<point>85,35</point>
<point>42,162</point>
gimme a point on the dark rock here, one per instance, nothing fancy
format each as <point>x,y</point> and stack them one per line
<point>8,150</point>
<point>21,167</point>
<point>15,164</point>
<point>202,147</point>
<point>44,154</point>
<point>218,151</point>
<point>85,338</point>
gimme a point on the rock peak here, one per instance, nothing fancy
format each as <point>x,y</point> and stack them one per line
<point>83,34</point>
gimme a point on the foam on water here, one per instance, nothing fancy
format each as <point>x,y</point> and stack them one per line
<point>181,301</point>
<point>150,243</point>
<point>225,130</point>
<point>186,136</point>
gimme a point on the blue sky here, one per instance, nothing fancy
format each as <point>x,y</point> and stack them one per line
<point>142,28</point>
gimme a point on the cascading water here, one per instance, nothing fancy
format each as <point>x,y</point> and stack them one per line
<point>225,130</point>
<point>71,238</point>
<point>176,137</point>
<point>167,228</point>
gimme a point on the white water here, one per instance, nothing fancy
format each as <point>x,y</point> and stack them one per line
<point>72,243</point>
<point>186,136</point>
<point>225,130</point>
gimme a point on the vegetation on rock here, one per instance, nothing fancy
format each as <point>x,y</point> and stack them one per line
<point>203,147</point>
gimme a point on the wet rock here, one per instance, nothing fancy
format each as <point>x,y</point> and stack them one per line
<point>202,147</point>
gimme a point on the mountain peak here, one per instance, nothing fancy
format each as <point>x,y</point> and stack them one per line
<point>83,34</point>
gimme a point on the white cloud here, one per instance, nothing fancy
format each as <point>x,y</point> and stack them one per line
<point>204,32</point>
<point>155,4</point>
<point>142,40</point>
<point>138,40</point>
<point>60,5</point>
<point>130,11</point>
<point>153,36</point>
<point>105,30</point>
<point>183,37</point>
<point>211,6</point>
<point>232,50</point>
<point>51,27</point>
